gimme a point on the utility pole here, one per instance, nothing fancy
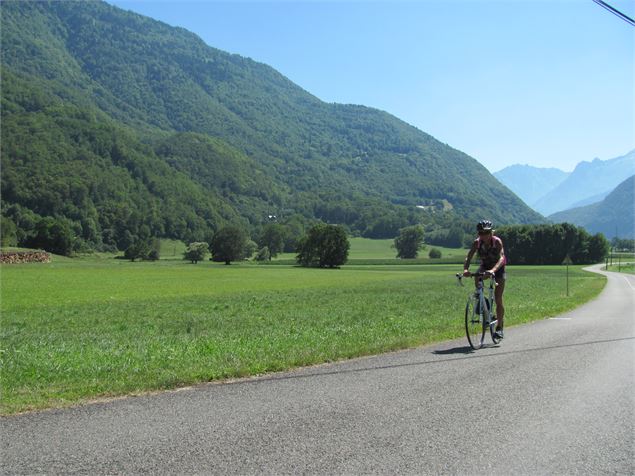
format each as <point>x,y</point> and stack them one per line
<point>567,261</point>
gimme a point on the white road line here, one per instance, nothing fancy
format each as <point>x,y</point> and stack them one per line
<point>559,318</point>
<point>629,282</point>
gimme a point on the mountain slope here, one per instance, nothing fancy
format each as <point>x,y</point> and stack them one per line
<point>530,183</point>
<point>206,116</point>
<point>614,214</point>
<point>588,179</point>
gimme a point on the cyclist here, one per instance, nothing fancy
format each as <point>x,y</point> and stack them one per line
<point>492,254</point>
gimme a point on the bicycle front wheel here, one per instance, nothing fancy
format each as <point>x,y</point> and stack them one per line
<point>474,327</point>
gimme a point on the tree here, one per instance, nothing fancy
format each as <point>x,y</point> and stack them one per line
<point>250,248</point>
<point>8,234</point>
<point>229,244</point>
<point>456,236</point>
<point>324,246</point>
<point>409,241</point>
<point>139,249</point>
<point>263,254</point>
<point>294,229</point>
<point>53,235</point>
<point>196,252</point>
<point>155,249</point>
<point>598,248</point>
<point>272,237</point>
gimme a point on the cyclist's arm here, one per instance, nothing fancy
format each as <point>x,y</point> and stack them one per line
<point>501,261</point>
<point>468,258</point>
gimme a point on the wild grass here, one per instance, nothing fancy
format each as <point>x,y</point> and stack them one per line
<point>75,330</point>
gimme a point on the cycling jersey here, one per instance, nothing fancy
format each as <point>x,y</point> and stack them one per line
<point>489,254</point>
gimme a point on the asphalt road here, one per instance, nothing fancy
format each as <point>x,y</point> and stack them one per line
<point>556,397</point>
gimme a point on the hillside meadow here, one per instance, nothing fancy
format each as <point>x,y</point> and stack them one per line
<point>79,329</point>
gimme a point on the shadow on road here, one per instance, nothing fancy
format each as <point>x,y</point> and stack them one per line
<point>465,351</point>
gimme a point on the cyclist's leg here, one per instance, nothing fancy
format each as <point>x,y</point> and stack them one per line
<point>498,295</point>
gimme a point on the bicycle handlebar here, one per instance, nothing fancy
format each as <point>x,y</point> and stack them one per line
<point>483,274</point>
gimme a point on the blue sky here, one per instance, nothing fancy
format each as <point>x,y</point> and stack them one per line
<point>545,82</point>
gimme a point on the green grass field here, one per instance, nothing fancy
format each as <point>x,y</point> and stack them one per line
<point>380,252</point>
<point>75,330</point>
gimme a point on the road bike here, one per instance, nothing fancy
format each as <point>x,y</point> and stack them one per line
<point>480,311</point>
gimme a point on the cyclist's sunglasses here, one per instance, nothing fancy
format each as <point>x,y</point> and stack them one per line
<point>488,232</point>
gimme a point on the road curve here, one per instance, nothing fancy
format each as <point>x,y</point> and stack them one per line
<point>557,397</point>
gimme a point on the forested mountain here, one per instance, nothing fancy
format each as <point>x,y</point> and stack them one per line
<point>530,183</point>
<point>115,125</point>
<point>588,181</point>
<point>613,216</point>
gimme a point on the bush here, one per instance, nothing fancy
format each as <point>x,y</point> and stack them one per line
<point>435,253</point>
<point>323,246</point>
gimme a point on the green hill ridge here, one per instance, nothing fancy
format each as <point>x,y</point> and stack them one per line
<point>613,216</point>
<point>117,125</point>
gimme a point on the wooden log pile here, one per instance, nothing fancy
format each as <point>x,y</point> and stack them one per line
<point>17,257</point>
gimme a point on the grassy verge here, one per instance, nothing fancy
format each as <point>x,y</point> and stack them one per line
<point>622,268</point>
<point>77,330</point>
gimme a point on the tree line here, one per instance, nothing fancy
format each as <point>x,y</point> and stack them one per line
<point>324,246</point>
<point>623,244</point>
<point>551,244</point>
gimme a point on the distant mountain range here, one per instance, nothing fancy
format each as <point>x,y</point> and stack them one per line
<point>530,183</point>
<point>589,180</point>
<point>120,125</point>
<point>613,216</point>
<point>589,183</point>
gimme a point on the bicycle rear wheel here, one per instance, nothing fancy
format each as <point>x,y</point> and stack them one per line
<point>474,327</point>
